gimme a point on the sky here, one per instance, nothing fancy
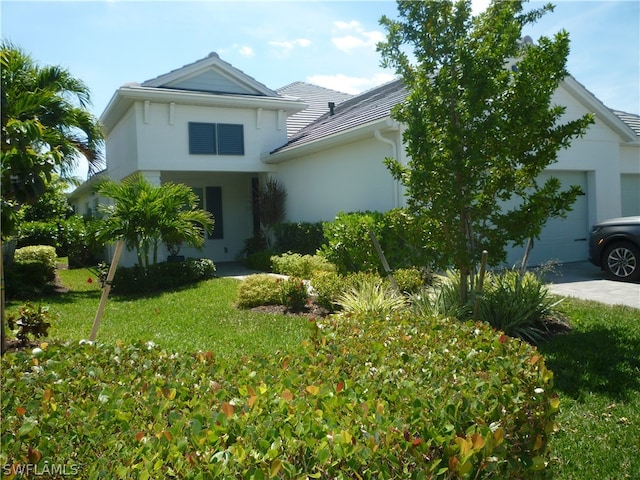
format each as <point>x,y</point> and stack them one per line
<point>329,43</point>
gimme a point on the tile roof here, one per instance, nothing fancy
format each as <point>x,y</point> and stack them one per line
<point>369,106</point>
<point>631,119</point>
<point>316,97</point>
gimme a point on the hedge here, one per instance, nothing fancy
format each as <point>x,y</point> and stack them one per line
<point>403,398</point>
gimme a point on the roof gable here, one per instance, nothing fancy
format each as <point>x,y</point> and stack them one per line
<point>211,75</point>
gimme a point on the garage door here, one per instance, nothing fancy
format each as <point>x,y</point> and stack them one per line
<point>630,194</point>
<point>562,239</point>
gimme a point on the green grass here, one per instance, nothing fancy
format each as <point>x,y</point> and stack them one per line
<point>596,366</point>
<point>597,375</point>
<point>200,317</point>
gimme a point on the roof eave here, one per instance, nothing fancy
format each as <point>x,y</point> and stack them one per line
<point>581,93</point>
<point>127,95</point>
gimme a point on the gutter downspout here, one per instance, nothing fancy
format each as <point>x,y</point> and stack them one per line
<point>394,149</point>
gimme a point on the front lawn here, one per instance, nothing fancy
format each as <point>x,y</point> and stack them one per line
<point>596,366</point>
<point>597,375</point>
<point>198,317</point>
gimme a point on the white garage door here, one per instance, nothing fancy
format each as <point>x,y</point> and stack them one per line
<point>630,194</point>
<point>562,239</point>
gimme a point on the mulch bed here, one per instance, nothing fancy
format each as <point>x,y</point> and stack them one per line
<point>310,311</point>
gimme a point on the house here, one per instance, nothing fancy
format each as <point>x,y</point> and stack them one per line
<point>213,127</point>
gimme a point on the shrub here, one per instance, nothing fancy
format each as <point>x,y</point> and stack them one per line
<point>407,398</point>
<point>38,233</point>
<point>412,280</point>
<point>31,321</point>
<point>519,306</point>
<point>31,273</point>
<point>259,289</point>
<point>44,254</point>
<point>161,276</point>
<point>259,260</point>
<point>326,288</point>
<point>300,237</point>
<point>401,237</point>
<point>348,244</point>
<point>297,265</point>
<point>371,297</point>
<point>293,293</point>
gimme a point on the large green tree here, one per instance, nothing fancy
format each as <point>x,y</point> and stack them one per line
<point>480,125</point>
<point>146,215</point>
<point>46,128</point>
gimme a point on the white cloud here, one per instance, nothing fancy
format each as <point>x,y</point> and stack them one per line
<point>356,37</point>
<point>347,84</point>
<point>245,51</point>
<point>287,46</point>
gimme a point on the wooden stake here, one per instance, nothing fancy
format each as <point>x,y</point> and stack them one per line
<point>383,259</point>
<point>106,289</point>
<point>480,285</point>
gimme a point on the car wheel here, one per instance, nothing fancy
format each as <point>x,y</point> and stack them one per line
<point>622,261</point>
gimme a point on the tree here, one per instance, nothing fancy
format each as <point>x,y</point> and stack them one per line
<point>46,127</point>
<point>144,215</point>
<point>480,125</point>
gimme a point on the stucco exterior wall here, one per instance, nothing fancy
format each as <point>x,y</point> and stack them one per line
<point>163,137</point>
<point>349,178</point>
<point>122,145</point>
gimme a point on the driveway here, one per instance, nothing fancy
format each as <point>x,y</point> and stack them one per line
<point>586,281</point>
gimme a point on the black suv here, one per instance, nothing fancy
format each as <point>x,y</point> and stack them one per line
<point>614,246</point>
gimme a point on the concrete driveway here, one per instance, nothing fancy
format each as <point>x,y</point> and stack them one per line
<point>586,281</point>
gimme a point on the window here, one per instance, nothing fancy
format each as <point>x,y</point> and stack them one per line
<point>216,139</point>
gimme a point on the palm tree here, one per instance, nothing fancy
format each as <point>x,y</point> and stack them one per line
<point>46,128</point>
<point>144,215</point>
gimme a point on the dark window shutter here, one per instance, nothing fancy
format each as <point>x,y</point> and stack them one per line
<point>214,206</point>
<point>230,139</point>
<point>202,138</point>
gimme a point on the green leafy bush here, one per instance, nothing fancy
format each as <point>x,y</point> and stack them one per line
<point>44,254</point>
<point>30,321</point>
<point>412,280</point>
<point>160,276</point>
<point>293,293</point>
<point>31,273</point>
<point>402,398</point>
<point>304,238</point>
<point>38,233</point>
<point>259,289</point>
<point>297,265</point>
<point>259,260</point>
<point>348,244</point>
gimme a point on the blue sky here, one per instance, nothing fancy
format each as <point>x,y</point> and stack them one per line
<point>330,43</point>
